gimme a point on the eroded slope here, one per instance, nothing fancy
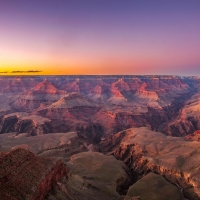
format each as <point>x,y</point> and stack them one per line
<point>175,158</point>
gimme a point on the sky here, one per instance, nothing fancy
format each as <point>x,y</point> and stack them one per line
<point>58,37</point>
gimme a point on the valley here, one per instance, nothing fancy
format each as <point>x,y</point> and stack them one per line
<point>100,137</point>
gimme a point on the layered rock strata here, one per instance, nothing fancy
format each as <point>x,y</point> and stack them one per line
<point>26,176</point>
<point>23,123</point>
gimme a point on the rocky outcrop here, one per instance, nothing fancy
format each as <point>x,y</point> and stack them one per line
<point>26,176</point>
<point>187,119</point>
<point>70,86</point>
<point>46,87</point>
<point>96,94</point>
<point>121,85</point>
<point>146,94</point>
<point>7,124</point>
<point>23,123</point>
<point>143,151</point>
<point>194,136</point>
<point>116,97</point>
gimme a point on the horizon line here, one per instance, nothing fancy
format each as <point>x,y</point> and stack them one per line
<point>1,75</point>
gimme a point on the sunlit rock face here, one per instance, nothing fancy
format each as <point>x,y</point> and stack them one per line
<point>194,136</point>
<point>44,92</point>
<point>187,119</point>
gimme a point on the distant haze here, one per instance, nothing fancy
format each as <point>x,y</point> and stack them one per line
<point>99,37</point>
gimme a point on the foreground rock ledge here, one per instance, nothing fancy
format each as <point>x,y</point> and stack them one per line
<point>26,176</point>
<point>174,158</point>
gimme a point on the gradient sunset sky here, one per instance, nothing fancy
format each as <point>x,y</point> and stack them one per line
<point>100,37</point>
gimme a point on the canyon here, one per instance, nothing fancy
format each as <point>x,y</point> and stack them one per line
<point>99,137</point>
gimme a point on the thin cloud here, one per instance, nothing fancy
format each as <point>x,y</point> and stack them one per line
<point>30,71</point>
<point>4,72</point>
<point>34,71</point>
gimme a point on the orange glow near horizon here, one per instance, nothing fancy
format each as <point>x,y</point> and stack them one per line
<point>107,65</point>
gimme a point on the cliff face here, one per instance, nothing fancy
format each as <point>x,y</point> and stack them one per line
<point>143,151</point>
<point>26,176</point>
<point>58,171</point>
<point>7,124</point>
<point>23,123</point>
<point>187,119</point>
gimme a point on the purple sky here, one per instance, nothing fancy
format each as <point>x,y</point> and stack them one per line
<point>100,36</point>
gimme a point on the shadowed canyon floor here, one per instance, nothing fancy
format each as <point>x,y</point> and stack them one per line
<point>100,137</point>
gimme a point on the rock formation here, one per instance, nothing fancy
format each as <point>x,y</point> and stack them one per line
<point>174,158</point>
<point>26,176</point>
<point>187,119</point>
<point>23,123</point>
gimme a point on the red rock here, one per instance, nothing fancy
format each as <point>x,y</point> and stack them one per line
<point>26,176</point>
<point>16,84</point>
<point>46,87</point>
<point>43,92</point>
<point>197,132</point>
<point>121,85</point>
<point>71,86</point>
<point>97,89</point>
